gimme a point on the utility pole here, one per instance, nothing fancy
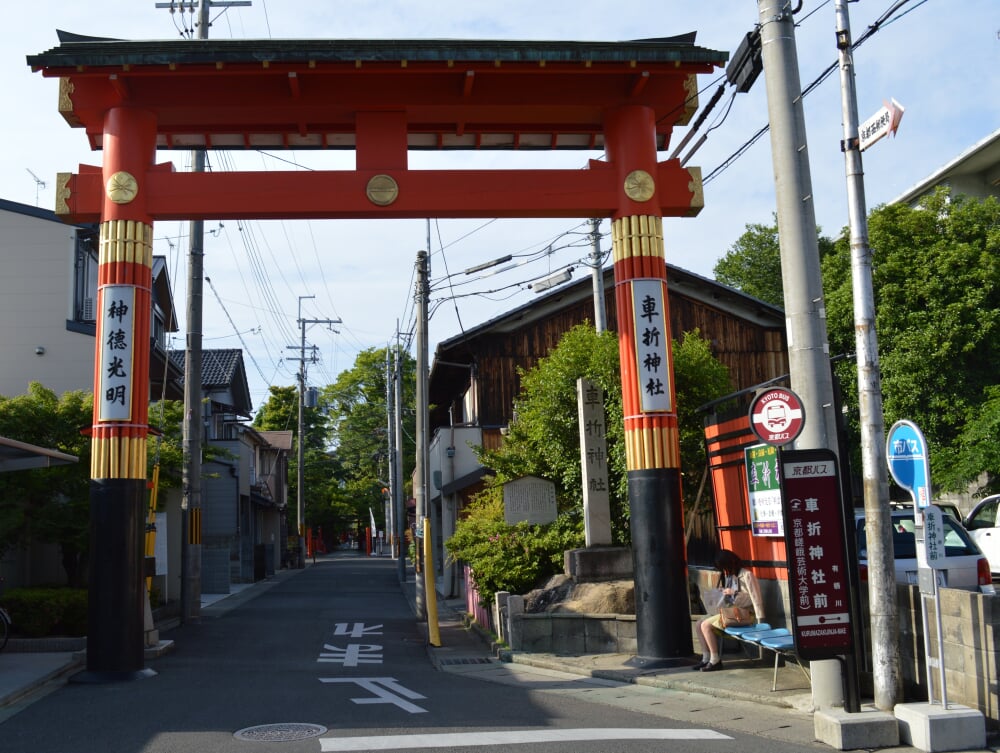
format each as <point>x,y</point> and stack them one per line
<point>191,472</point>
<point>397,463</point>
<point>420,480</point>
<point>301,479</point>
<point>390,512</point>
<point>597,272</point>
<point>881,573</point>
<point>805,312</point>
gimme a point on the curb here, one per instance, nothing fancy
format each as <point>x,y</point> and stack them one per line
<point>45,645</point>
<point>668,682</point>
<point>496,647</point>
<point>71,667</point>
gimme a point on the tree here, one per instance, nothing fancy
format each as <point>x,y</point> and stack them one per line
<point>936,278</point>
<point>543,440</point>
<point>50,505</point>
<point>356,411</point>
<point>345,447</point>
<point>974,459</point>
<point>281,413</point>
<point>753,263</point>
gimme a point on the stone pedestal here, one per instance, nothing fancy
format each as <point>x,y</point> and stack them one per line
<point>932,727</point>
<point>598,563</point>
<point>869,728</point>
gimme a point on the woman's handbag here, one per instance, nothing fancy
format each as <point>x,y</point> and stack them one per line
<point>733,616</point>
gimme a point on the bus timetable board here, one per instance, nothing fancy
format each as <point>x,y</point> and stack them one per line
<point>819,590</point>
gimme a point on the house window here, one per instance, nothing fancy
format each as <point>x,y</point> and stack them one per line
<point>159,330</point>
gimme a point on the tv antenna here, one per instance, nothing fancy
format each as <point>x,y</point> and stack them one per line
<point>39,184</point>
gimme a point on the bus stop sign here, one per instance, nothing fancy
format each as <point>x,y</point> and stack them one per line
<point>777,416</point>
<point>909,464</point>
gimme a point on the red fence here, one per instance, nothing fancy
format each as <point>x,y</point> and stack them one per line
<point>482,614</point>
<point>726,442</point>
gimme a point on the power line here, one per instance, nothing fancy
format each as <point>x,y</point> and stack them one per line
<point>885,19</point>
<point>238,333</point>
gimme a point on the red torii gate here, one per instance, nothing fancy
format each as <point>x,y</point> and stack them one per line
<point>380,99</point>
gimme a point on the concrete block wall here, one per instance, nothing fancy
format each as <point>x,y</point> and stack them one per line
<point>970,625</point>
<point>571,634</point>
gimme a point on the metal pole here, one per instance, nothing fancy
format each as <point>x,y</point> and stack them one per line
<point>300,470</point>
<point>808,350</point>
<point>397,465</point>
<point>191,481</point>
<point>597,272</point>
<point>300,476</point>
<point>881,573</point>
<point>390,512</point>
<point>421,470</point>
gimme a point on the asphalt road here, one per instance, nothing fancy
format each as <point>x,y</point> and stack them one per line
<point>330,658</point>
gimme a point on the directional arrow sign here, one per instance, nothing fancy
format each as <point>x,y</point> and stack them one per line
<point>882,123</point>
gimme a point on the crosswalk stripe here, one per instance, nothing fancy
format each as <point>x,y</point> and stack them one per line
<point>470,739</point>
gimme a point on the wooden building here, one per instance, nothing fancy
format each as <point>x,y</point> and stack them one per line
<point>474,378</point>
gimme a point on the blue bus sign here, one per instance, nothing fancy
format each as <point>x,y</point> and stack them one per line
<point>909,462</point>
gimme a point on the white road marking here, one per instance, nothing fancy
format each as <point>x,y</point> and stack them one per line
<point>357,630</point>
<point>353,655</point>
<point>464,739</point>
<point>384,690</point>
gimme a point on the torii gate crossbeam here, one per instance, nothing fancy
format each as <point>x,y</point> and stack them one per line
<point>381,100</point>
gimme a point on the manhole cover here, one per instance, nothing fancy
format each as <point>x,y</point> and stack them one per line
<point>279,733</point>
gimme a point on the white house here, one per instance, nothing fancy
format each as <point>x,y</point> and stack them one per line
<point>48,289</point>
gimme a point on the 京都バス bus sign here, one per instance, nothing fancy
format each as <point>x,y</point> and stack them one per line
<point>777,416</point>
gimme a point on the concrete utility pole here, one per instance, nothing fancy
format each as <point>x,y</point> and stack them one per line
<point>881,572</point>
<point>597,272</point>
<point>191,502</point>
<point>301,476</point>
<point>421,472</point>
<point>390,509</point>
<point>397,464</point>
<point>805,312</point>
<point>191,473</point>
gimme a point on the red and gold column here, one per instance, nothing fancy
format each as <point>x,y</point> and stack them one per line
<point>663,622</point>
<point>121,402</point>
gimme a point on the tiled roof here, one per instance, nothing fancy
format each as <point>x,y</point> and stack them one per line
<point>281,440</point>
<point>218,367</point>
<point>223,377</point>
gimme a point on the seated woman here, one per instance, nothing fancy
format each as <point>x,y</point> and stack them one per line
<point>740,588</point>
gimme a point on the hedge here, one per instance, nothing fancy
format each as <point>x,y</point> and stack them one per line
<point>41,612</point>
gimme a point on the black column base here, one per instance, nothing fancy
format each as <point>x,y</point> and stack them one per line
<point>115,608</point>
<point>662,604</point>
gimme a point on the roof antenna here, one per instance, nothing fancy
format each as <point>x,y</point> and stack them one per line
<point>39,184</point>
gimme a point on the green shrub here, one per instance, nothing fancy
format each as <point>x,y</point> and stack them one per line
<point>511,558</point>
<point>73,620</point>
<point>40,612</point>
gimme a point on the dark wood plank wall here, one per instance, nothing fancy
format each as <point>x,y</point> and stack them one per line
<point>753,353</point>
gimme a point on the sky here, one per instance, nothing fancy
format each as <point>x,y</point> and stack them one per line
<point>940,59</point>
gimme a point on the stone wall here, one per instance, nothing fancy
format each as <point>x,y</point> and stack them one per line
<point>970,624</point>
<point>571,634</point>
